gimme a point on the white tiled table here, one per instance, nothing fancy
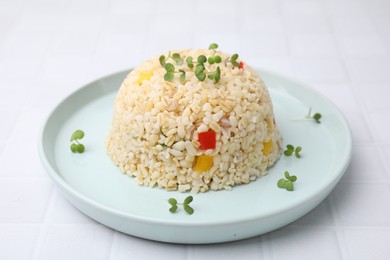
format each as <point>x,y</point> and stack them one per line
<point>50,48</point>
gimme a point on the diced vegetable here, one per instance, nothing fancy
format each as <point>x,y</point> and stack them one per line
<point>144,75</point>
<point>268,147</point>
<point>203,163</point>
<point>207,140</point>
<point>241,66</point>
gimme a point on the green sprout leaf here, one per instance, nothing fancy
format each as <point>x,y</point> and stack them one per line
<point>77,147</point>
<point>188,209</point>
<point>233,60</point>
<point>162,60</point>
<point>189,62</point>
<point>172,201</point>
<point>73,148</point>
<point>202,59</point>
<point>290,149</point>
<point>169,67</point>
<point>80,148</point>
<point>317,117</point>
<point>182,76</point>
<point>177,59</point>
<point>169,76</point>
<point>217,59</point>
<point>213,46</point>
<point>211,60</point>
<point>173,208</point>
<point>188,200</point>
<point>77,135</point>
<point>297,152</point>
<point>288,182</point>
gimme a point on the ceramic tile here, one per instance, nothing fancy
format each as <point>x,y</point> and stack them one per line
<point>313,45</point>
<point>30,123</point>
<point>265,45</point>
<point>361,204</point>
<point>61,211</point>
<point>228,42</point>
<point>381,125</point>
<point>321,70</point>
<point>24,200</point>
<point>13,92</point>
<point>232,250</point>
<point>364,243</point>
<point>9,118</point>
<point>267,23</point>
<point>307,241</point>
<point>125,247</point>
<point>365,165</point>
<point>320,216</point>
<point>354,23</point>
<point>369,70</point>
<point>18,242</point>
<point>80,242</point>
<point>309,23</point>
<point>31,166</point>
<point>362,46</point>
<point>375,96</point>
<point>301,7</point>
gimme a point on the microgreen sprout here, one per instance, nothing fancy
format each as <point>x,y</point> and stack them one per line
<point>200,64</point>
<point>189,62</point>
<point>290,149</point>
<point>77,147</point>
<point>187,208</point>
<point>213,46</point>
<point>316,116</point>
<point>288,182</point>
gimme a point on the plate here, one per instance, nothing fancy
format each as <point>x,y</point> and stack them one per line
<point>93,184</point>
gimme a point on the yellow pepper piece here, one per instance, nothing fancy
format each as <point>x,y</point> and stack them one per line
<point>203,163</point>
<point>144,75</point>
<point>268,147</point>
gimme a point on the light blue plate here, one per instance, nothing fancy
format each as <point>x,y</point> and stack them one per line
<point>92,183</point>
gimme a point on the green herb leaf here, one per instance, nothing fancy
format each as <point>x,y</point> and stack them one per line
<point>317,117</point>
<point>211,60</point>
<point>173,208</point>
<point>162,60</point>
<point>188,209</point>
<point>202,59</point>
<point>189,62</point>
<point>217,59</point>
<point>287,175</point>
<point>293,178</point>
<point>297,152</point>
<point>188,200</point>
<point>80,148</point>
<point>73,148</point>
<point>169,76</point>
<point>281,183</point>
<point>78,134</point>
<point>233,60</point>
<point>172,201</point>
<point>177,59</point>
<point>182,76</point>
<point>213,46</point>
<point>169,67</point>
<point>289,186</point>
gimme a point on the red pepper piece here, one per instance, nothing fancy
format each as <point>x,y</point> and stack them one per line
<point>241,66</point>
<point>207,140</point>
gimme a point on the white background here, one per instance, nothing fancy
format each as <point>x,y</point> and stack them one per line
<point>50,48</point>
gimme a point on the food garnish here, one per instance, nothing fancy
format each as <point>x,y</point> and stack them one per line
<point>187,208</point>
<point>316,116</point>
<point>76,146</point>
<point>290,149</point>
<point>201,70</point>
<point>288,182</point>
